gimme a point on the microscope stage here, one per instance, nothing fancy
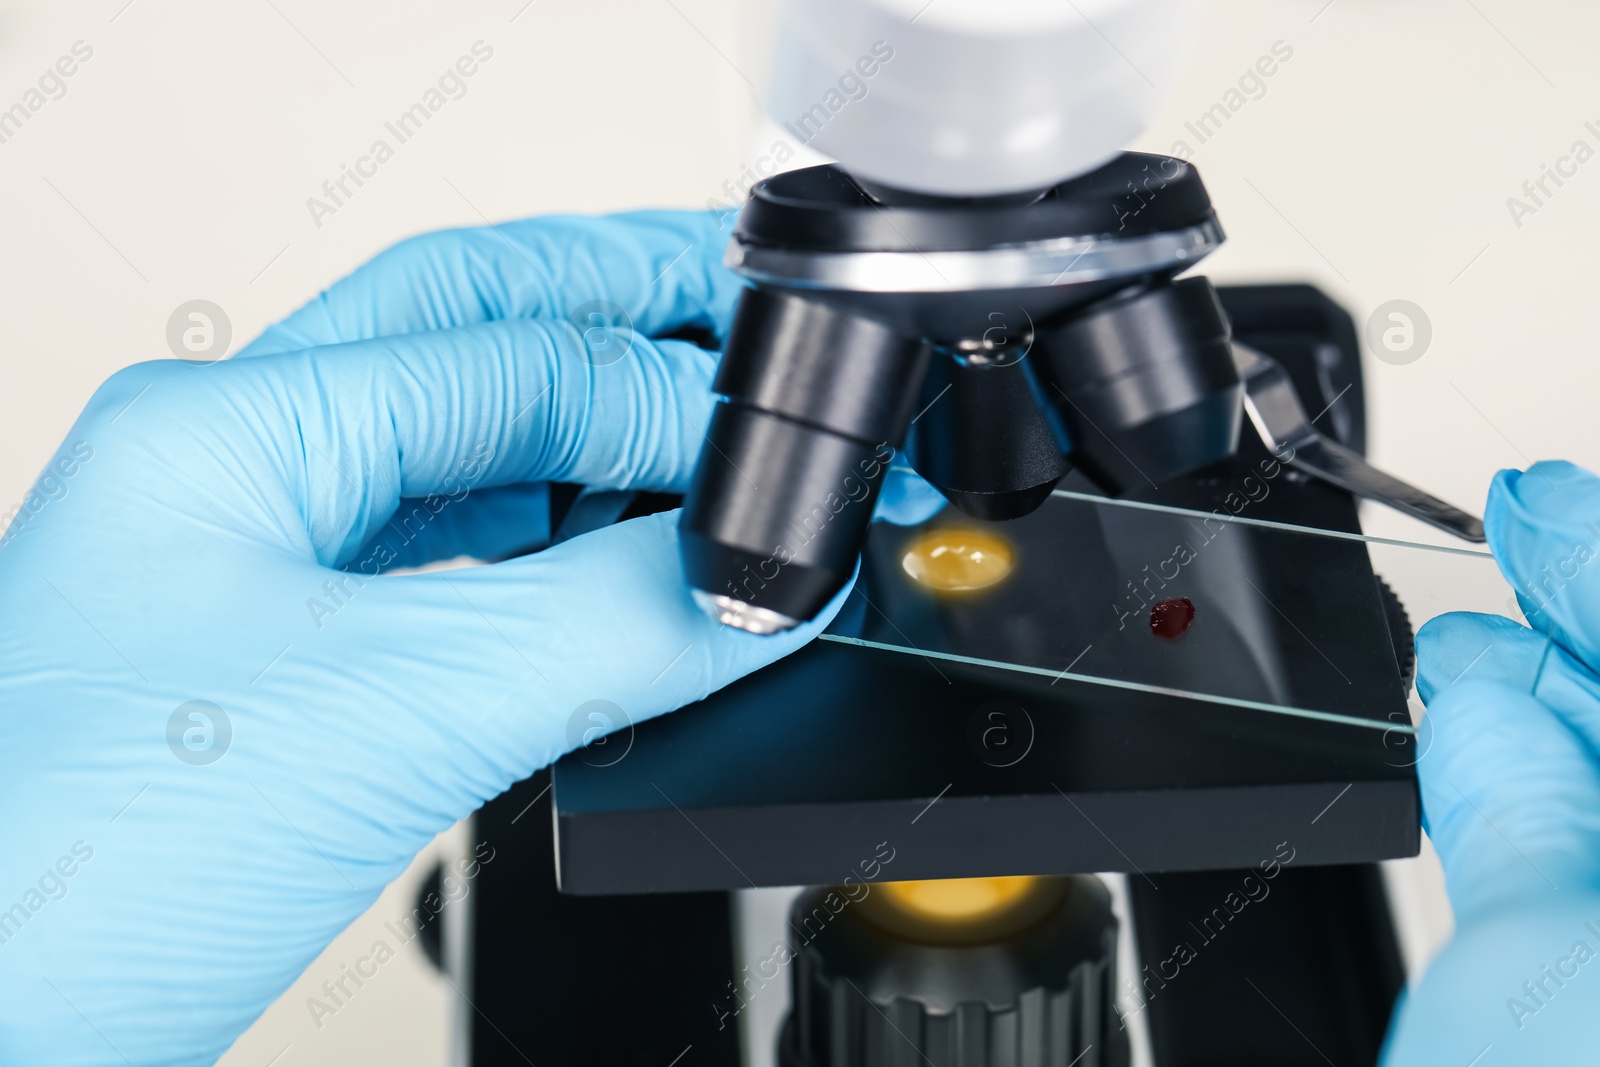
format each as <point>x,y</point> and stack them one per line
<point>1056,722</point>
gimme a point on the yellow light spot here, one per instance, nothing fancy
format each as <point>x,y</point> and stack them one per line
<point>963,911</point>
<point>958,900</point>
<point>957,559</point>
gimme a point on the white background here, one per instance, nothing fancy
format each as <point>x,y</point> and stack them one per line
<point>1377,164</point>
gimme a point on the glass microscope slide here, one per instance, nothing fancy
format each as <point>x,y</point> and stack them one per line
<point>1222,609</point>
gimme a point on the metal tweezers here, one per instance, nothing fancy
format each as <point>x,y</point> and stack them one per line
<point>1274,407</point>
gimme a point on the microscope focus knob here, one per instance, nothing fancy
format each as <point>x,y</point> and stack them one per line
<point>984,972</point>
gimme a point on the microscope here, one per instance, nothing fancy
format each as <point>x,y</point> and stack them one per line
<point>984,262</point>
<point>1032,831</point>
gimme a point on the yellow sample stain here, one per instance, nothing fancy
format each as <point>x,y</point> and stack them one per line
<point>958,559</point>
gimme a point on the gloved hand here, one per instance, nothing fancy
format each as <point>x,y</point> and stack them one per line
<point>212,534</point>
<point>1511,794</point>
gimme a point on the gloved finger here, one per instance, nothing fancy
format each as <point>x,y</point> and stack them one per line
<point>1544,527</point>
<point>906,498</point>
<point>1510,989</point>
<point>1466,645</point>
<point>1511,798</point>
<point>1463,646</point>
<point>652,271</point>
<point>487,524</point>
<point>501,521</point>
<point>493,671</point>
<point>316,448</point>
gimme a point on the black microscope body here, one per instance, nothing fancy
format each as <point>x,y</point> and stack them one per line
<point>1027,355</point>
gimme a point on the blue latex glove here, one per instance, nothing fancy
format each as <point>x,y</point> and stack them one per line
<point>186,544</point>
<point>1511,794</point>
